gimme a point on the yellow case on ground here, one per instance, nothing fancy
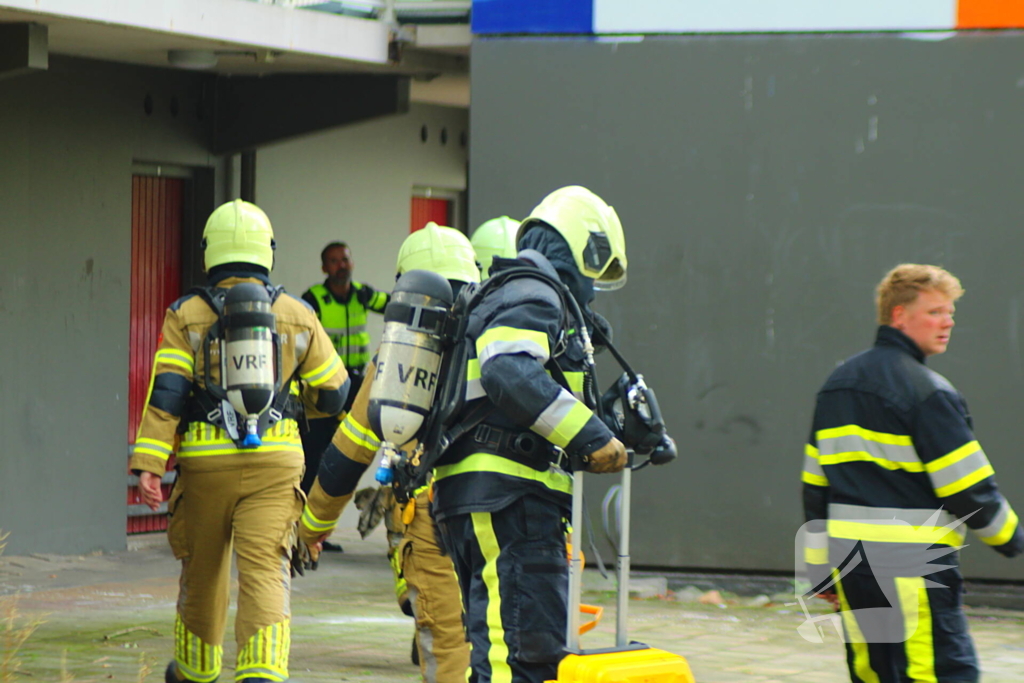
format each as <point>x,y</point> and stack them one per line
<point>647,665</point>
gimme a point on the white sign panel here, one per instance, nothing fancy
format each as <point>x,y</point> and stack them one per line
<point>771,16</point>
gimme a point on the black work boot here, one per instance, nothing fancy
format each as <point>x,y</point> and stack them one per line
<point>171,675</point>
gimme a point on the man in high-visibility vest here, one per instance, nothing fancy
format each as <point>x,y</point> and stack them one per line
<point>341,304</point>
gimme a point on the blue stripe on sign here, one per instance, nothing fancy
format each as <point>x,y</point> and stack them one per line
<point>533,16</point>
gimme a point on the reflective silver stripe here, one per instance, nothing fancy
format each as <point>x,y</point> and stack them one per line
<point>852,443</point>
<point>553,415</point>
<point>254,671</point>
<point>815,540</point>
<point>301,344</point>
<point>474,389</point>
<point>323,373</point>
<point>997,523</point>
<point>350,331</point>
<point>502,347</point>
<point>960,469</point>
<point>195,340</point>
<point>228,445</point>
<point>812,466</point>
<point>143,445</point>
<point>912,516</point>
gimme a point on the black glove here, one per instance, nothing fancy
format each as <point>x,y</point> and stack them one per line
<point>665,452</point>
<point>364,294</point>
<point>601,331</point>
<point>302,558</point>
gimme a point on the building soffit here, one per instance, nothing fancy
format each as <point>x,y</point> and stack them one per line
<point>247,37</point>
<point>280,72</point>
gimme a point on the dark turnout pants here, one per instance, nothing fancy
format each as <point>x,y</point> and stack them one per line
<point>514,579</point>
<point>317,437</point>
<point>900,630</point>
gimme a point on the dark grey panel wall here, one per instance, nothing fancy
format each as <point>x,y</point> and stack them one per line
<point>765,185</point>
<point>68,138</point>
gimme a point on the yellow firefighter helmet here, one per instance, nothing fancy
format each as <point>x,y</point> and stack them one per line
<point>591,228</point>
<point>441,250</point>
<point>496,237</point>
<point>238,232</point>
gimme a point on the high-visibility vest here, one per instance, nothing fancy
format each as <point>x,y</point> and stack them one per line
<point>345,323</point>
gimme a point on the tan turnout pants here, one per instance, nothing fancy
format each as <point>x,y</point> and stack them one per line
<point>433,590</point>
<point>216,508</point>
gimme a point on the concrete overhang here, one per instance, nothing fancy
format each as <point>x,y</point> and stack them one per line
<point>247,37</point>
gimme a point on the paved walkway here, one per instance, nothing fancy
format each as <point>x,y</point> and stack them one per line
<point>109,617</point>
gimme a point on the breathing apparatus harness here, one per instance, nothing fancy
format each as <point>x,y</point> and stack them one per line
<point>251,396</point>
<point>440,333</point>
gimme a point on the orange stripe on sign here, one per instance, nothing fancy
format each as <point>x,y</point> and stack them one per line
<point>990,14</point>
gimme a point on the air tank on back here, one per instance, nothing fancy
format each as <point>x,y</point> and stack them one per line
<point>408,361</point>
<point>247,360</point>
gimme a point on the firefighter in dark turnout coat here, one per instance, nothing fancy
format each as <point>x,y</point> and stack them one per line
<point>892,472</point>
<point>502,492</point>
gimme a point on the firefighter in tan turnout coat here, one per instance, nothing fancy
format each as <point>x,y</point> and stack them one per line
<point>231,497</point>
<point>425,581</point>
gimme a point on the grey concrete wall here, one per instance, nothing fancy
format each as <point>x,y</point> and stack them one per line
<point>68,139</point>
<point>355,184</point>
<point>765,185</point>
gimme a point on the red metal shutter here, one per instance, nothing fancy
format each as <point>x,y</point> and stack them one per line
<point>155,284</point>
<point>425,210</point>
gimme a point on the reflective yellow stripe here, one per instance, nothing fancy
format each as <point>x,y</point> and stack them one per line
<point>813,479</point>
<point>1004,530</point>
<point>855,430</point>
<point>265,654</point>
<point>813,474</point>
<point>313,523</point>
<point>473,369</point>
<point>953,457</point>
<point>571,425</point>
<point>142,450</point>
<point>154,447</point>
<point>861,659</point>
<point>553,478</point>
<point>195,659</point>
<point>816,555</point>
<point>497,653</point>
<point>966,482</point>
<point>322,373</point>
<point>894,533</point>
<point>959,469</point>
<point>507,340</point>
<point>864,456</point>
<point>359,435</point>
<point>155,443</point>
<point>194,450</point>
<point>575,381</point>
<point>562,420</point>
<point>917,625</point>
<point>174,357</point>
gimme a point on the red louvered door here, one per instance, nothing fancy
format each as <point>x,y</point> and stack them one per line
<point>425,210</point>
<point>157,214</point>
